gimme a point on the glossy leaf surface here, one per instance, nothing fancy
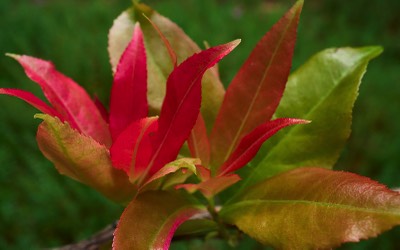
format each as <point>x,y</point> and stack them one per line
<point>251,143</point>
<point>323,91</point>
<point>128,101</point>
<point>68,98</point>
<point>150,220</point>
<point>314,208</point>
<point>82,158</point>
<point>182,102</point>
<point>256,90</point>
<point>133,149</point>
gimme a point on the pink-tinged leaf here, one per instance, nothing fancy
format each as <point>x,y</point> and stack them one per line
<point>32,100</point>
<point>69,99</point>
<point>198,142</point>
<point>82,158</point>
<point>251,143</point>
<point>256,90</point>
<point>212,186</point>
<point>314,208</point>
<point>187,165</point>
<point>181,106</point>
<point>128,101</point>
<point>150,220</point>
<point>133,149</point>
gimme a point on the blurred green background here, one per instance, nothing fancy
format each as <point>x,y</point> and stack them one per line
<point>40,209</point>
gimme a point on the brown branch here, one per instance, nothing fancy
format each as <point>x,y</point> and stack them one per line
<point>95,242</point>
<point>105,236</point>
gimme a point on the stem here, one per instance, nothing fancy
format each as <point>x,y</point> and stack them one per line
<point>222,229</point>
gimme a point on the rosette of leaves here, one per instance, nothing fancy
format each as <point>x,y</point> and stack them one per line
<point>166,92</point>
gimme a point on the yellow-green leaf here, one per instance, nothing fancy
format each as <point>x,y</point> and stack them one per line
<point>314,208</point>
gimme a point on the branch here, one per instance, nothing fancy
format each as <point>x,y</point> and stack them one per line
<point>105,236</point>
<point>95,242</point>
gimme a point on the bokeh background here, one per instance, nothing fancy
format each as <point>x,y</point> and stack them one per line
<point>40,209</point>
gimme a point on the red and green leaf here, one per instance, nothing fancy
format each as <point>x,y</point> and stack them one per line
<point>181,105</point>
<point>251,143</point>
<point>171,170</point>
<point>128,100</point>
<point>256,90</point>
<point>149,221</point>
<point>159,60</point>
<point>82,158</point>
<point>68,98</point>
<point>323,90</point>
<point>314,208</point>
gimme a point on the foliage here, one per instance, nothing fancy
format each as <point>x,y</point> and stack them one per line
<point>153,142</point>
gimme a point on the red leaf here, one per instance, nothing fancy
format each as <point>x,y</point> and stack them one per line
<point>67,97</point>
<point>251,143</point>
<point>198,142</point>
<point>32,100</point>
<point>256,90</point>
<point>133,148</point>
<point>102,109</point>
<point>181,105</point>
<point>129,91</point>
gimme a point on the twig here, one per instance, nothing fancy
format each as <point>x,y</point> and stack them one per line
<point>95,242</point>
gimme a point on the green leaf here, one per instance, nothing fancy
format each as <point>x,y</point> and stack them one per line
<point>150,221</point>
<point>159,62</point>
<point>314,208</point>
<point>323,91</point>
<point>82,158</point>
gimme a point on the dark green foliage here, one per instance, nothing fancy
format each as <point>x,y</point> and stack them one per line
<point>39,208</point>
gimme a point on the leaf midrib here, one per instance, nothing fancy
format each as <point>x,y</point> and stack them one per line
<point>244,121</point>
<point>155,155</point>
<point>253,203</point>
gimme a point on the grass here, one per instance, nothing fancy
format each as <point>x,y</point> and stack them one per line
<point>39,208</point>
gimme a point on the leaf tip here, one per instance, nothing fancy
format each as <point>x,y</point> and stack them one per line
<point>15,56</point>
<point>376,50</point>
<point>236,42</point>
<point>40,116</point>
